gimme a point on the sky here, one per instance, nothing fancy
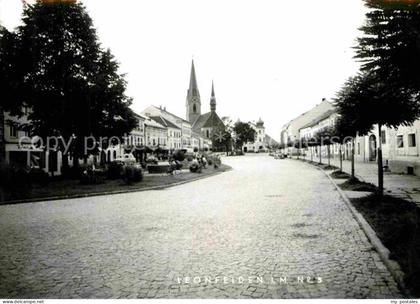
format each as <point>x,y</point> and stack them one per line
<point>269,59</point>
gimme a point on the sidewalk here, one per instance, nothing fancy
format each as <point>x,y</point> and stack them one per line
<point>399,185</point>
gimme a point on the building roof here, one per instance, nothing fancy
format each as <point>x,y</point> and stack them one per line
<point>164,112</point>
<point>269,139</point>
<point>208,120</point>
<point>161,120</point>
<point>140,116</point>
<point>196,134</point>
<point>320,118</point>
<point>307,117</point>
<point>154,124</point>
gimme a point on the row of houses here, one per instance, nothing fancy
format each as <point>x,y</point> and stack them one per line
<point>156,130</point>
<point>401,151</point>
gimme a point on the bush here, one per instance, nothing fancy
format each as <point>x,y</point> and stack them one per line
<point>158,168</point>
<point>91,177</point>
<point>72,172</point>
<point>195,168</point>
<point>178,155</point>
<point>114,170</point>
<point>132,174</point>
<point>12,176</point>
<point>38,176</point>
<point>216,162</point>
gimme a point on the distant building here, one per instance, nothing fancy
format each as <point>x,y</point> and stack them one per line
<point>156,134</point>
<point>204,124</point>
<point>291,131</point>
<point>260,144</point>
<point>174,133</point>
<point>400,146</point>
<point>21,149</point>
<point>182,124</point>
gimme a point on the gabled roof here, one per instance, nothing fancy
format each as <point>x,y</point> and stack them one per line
<point>173,115</point>
<point>201,120</point>
<point>161,120</point>
<point>153,123</point>
<point>208,120</point>
<point>213,121</point>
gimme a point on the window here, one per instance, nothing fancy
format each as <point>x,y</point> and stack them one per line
<point>194,108</point>
<point>383,137</point>
<point>13,131</point>
<point>412,140</point>
<point>400,141</point>
<point>207,133</point>
<point>358,148</point>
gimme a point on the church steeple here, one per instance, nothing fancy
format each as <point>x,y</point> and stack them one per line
<point>212,98</point>
<point>193,105</point>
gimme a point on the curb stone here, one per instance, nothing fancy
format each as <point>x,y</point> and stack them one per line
<point>393,266</point>
<point>74,196</point>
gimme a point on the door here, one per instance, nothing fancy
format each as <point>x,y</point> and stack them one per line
<point>372,148</point>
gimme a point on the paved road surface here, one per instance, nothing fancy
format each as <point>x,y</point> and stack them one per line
<point>267,225</point>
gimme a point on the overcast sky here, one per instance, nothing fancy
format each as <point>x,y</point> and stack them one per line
<point>272,59</point>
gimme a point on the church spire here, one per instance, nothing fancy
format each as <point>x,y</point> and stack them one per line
<point>193,90</point>
<point>212,98</point>
<point>193,105</point>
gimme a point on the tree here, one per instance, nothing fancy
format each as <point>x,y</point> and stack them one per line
<point>391,43</point>
<point>221,140</point>
<point>353,119</point>
<point>370,102</point>
<point>10,80</point>
<point>244,133</point>
<point>323,137</point>
<point>389,51</point>
<point>72,86</point>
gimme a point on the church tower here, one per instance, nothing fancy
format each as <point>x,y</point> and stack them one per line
<point>193,104</point>
<point>212,98</point>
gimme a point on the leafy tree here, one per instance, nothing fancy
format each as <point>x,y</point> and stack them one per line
<point>72,86</point>
<point>323,137</point>
<point>10,80</point>
<point>244,133</point>
<point>389,51</point>
<point>391,44</point>
<point>221,140</point>
<point>353,119</point>
<point>371,102</point>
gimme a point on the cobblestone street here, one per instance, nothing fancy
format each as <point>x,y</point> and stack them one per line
<point>263,223</point>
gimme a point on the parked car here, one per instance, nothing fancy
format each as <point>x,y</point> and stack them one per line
<point>279,156</point>
<point>127,158</point>
<point>152,160</point>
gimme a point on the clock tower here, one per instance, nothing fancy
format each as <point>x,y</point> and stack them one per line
<point>193,104</point>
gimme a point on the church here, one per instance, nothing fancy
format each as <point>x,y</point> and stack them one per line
<point>207,124</point>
